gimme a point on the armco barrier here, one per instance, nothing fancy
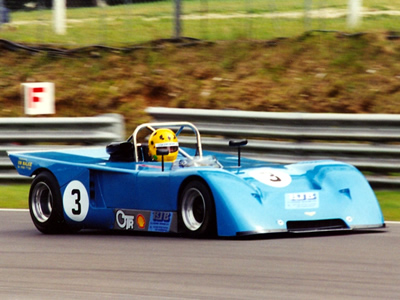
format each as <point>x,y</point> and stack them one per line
<point>371,142</point>
<point>35,133</point>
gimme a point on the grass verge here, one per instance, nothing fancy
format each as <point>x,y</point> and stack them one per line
<point>390,204</point>
<point>16,196</point>
<point>315,72</point>
<point>211,20</point>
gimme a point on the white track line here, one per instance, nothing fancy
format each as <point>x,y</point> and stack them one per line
<point>13,209</point>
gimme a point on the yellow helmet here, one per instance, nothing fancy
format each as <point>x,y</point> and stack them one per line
<point>161,138</point>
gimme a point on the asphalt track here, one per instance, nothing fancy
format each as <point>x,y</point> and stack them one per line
<point>100,265</point>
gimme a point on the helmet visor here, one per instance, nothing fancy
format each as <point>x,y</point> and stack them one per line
<point>171,146</point>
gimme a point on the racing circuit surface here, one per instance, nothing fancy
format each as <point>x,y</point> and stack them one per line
<point>100,265</point>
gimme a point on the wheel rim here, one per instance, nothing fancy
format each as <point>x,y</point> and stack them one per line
<point>193,209</point>
<point>42,202</point>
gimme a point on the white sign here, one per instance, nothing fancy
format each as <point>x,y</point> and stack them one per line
<point>39,98</point>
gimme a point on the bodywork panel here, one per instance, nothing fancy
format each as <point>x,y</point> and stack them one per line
<point>257,197</point>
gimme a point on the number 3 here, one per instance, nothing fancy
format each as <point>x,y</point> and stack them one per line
<point>76,201</point>
<point>274,178</point>
<point>77,211</point>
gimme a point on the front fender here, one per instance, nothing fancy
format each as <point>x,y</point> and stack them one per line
<point>238,204</point>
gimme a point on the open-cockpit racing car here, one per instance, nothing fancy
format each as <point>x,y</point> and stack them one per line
<point>155,185</point>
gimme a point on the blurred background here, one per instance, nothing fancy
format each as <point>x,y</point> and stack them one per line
<point>121,22</point>
<point>262,57</point>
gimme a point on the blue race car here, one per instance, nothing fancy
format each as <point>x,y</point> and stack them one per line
<point>152,184</point>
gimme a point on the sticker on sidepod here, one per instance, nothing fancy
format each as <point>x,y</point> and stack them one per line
<point>76,201</point>
<point>271,177</point>
<point>124,220</point>
<point>24,164</point>
<point>302,200</point>
<point>160,221</point>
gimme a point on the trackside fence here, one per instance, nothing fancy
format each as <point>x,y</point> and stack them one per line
<point>371,142</point>
<point>125,23</point>
<point>31,133</point>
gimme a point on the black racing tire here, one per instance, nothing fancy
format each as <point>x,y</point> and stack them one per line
<point>45,204</point>
<point>197,216</point>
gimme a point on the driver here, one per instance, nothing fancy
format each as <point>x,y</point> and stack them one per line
<point>163,138</point>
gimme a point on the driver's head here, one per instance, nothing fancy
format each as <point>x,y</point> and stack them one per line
<point>163,138</point>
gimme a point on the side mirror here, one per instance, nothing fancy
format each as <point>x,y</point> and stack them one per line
<point>238,144</point>
<point>162,152</point>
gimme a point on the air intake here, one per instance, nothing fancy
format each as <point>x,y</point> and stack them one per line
<point>316,225</point>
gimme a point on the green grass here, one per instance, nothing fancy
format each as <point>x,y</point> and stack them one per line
<point>16,196</point>
<point>125,32</point>
<point>131,24</point>
<point>390,204</point>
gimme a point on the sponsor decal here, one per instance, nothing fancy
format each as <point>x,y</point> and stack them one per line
<point>24,164</point>
<point>130,219</point>
<point>160,221</point>
<point>167,144</point>
<point>305,200</point>
<point>124,221</point>
<point>144,220</point>
<point>141,221</point>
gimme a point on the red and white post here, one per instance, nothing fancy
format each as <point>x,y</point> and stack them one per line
<point>39,98</point>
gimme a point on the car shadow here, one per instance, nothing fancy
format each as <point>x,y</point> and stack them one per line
<point>314,234</point>
<point>263,236</point>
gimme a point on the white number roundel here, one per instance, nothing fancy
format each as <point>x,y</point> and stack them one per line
<point>76,201</point>
<point>271,177</point>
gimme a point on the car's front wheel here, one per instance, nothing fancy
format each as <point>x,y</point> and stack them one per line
<point>45,204</point>
<point>197,210</point>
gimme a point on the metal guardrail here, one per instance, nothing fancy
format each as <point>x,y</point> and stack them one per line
<point>371,142</point>
<point>21,134</point>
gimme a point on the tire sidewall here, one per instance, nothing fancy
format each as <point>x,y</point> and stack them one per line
<point>208,228</point>
<point>55,223</point>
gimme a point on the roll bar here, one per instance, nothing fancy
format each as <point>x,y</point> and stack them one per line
<point>170,125</point>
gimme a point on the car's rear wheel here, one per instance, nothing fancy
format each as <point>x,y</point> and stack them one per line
<point>197,210</point>
<point>45,204</point>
